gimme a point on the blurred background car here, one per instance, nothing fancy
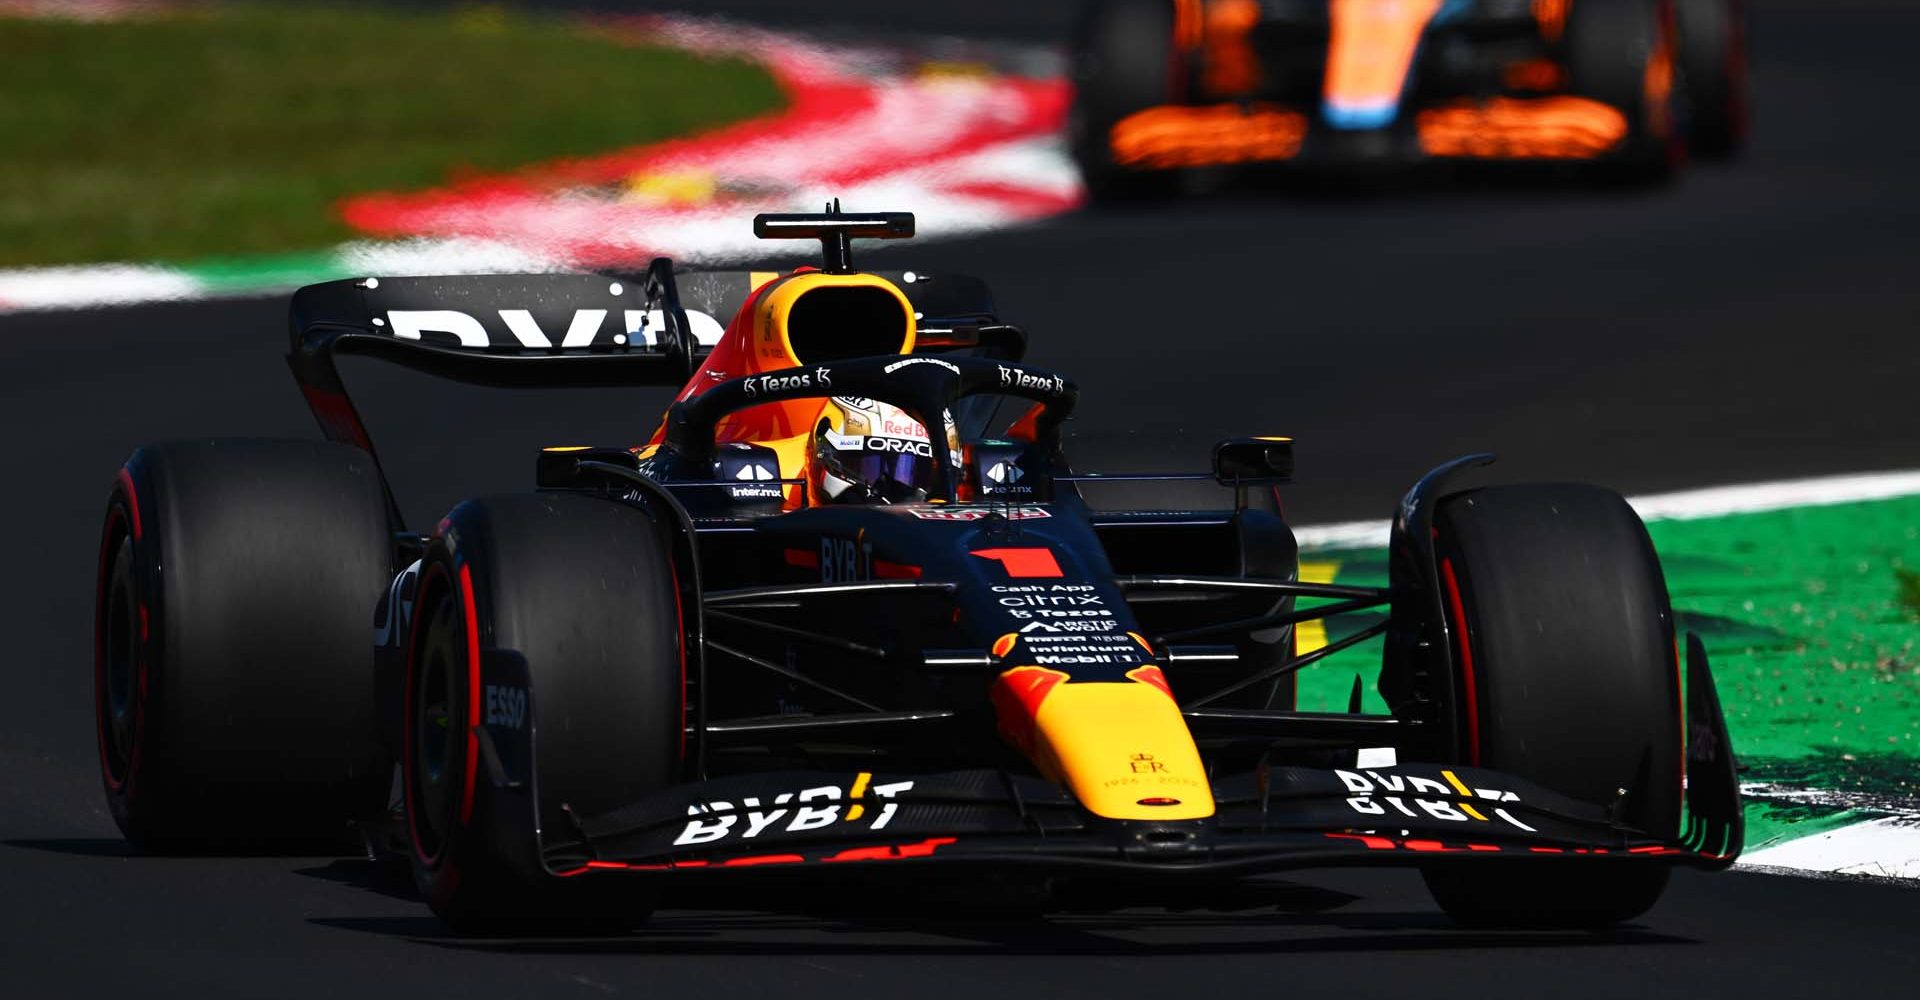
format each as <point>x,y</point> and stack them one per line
<point>1628,87</point>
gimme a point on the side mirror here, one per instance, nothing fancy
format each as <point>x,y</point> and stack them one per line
<point>1240,461</point>
<point>556,468</point>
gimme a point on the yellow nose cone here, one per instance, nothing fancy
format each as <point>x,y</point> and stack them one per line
<point>1121,747</point>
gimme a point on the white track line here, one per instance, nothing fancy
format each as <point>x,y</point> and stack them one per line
<point>1717,501</point>
<point>1884,848</point>
<point>431,256</point>
<point>1884,843</point>
<point>94,285</point>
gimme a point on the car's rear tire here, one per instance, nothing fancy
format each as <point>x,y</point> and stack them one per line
<point>1713,69</point>
<point>585,591</point>
<point>1564,643</point>
<point>1620,53</point>
<point>233,672</point>
<point>1124,61</point>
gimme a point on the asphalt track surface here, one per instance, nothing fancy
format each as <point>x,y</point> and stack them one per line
<point>1749,323</point>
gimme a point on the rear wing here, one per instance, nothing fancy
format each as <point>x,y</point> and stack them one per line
<point>566,330</point>
<point>557,330</point>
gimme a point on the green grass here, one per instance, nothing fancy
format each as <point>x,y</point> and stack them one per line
<point>1807,615</point>
<point>1827,658</point>
<point>236,130</point>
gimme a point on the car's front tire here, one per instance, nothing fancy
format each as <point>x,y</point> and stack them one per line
<point>585,592</point>
<point>1564,646</point>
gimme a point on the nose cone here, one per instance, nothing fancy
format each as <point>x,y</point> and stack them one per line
<point>1369,55</point>
<point>1121,746</point>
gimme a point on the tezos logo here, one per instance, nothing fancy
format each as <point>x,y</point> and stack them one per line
<point>1026,380</point>
<point>821,378</point>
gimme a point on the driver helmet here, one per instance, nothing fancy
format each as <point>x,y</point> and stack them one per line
<point>866,451</point>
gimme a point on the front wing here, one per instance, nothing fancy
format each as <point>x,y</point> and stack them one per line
<point>1270,819</point>
<point>1556,127</point>
<point>1283,818</point>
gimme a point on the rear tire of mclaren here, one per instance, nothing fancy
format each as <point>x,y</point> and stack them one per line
<point>583,590</point>
<point>1621,53</point>
<point>1124,61</point>
<point>233,676</point>
<point>1564,641</point>
<point>1713,70</point>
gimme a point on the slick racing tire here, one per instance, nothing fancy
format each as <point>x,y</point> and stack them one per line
<point>584,592</point>
<point>1713,72</point>
<point>233,666</point>
<point>1621,53</point>
<point>1564,645</point>
<point>1124,60</point>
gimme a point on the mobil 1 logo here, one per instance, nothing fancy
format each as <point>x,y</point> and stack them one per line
<point>1083,648</point>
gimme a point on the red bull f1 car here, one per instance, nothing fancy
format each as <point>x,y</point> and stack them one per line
<point>850,611</point>
<point>1339,86</point>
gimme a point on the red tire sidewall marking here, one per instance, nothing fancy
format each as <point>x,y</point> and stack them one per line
<point>680,637</point>
<point>126,511</point>
<point>125,479</point>
<point>1470,694</point>
<point>408,782</point>
<point>109,539</point>
<point>472,622</point>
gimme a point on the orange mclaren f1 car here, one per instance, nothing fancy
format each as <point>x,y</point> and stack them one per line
<point>851,613</point>
<point>1629,86</point>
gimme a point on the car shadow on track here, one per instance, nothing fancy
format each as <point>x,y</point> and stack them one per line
<point>85,847</point>
<point>1116,935</point>
<point>384,877</point>
<point>1264,917</point>
<point>115,847</point>
<point>1548,182</point>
